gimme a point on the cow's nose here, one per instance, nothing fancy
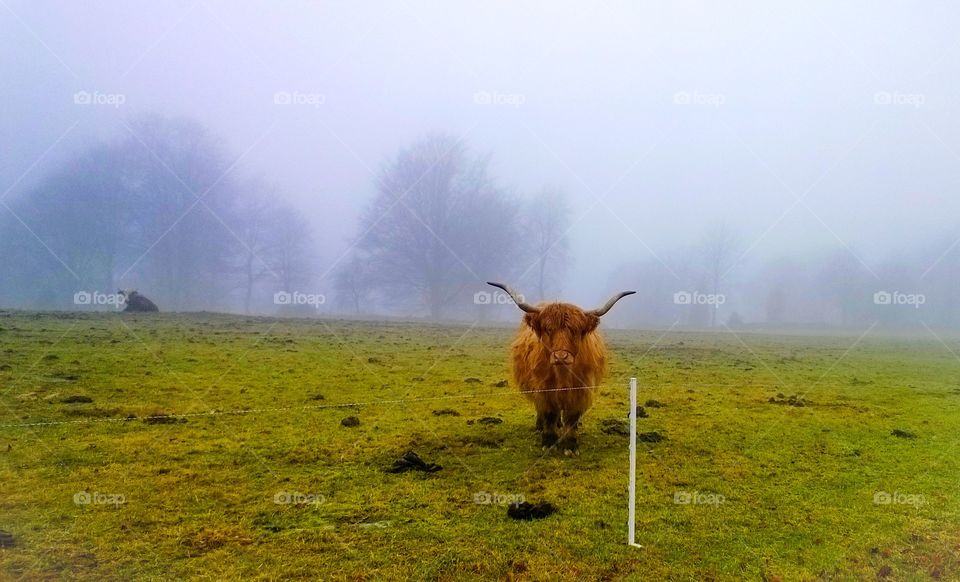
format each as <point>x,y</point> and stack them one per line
<point>561,357</point>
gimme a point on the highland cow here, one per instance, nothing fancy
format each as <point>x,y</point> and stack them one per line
<point>558,362</point>
<point>137,303</point>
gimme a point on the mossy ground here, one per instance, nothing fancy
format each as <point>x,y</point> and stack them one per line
<point>781,491</point>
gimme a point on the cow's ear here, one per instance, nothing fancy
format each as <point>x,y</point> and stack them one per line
<point>592,322</point>
<point>533,322</point>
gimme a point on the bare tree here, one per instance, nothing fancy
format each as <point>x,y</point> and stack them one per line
<point>719,248</point>
<point>180,195</point>
<point>353,283</point>
<point>546,224</point>
<point>255,212</point>
<point>291,251</point>
<point>845,287</point>
<point>437,218</point>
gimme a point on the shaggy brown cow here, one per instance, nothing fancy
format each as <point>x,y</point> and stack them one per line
<point>558,361</point>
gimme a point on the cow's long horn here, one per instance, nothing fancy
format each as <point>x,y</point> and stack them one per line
<point>521,304</point>
<point>603,310</point>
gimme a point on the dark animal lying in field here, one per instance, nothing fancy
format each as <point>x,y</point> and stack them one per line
<point>137,303</point>
<point>558,361</point>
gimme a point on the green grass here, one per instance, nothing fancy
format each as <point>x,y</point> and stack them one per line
<point>798,483</point>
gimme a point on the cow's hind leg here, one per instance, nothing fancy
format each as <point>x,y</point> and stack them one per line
<point>568,433</point>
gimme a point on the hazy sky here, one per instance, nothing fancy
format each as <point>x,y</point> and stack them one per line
<point>658,118</point>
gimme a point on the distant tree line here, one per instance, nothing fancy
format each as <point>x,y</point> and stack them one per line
<point>714,283</point>
<point>157,210</point>
<point>161,210</point>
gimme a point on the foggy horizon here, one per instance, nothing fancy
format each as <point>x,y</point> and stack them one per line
<point>809,133</point>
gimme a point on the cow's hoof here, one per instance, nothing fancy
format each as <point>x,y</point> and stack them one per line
<point>569,446</point>
<point>548,440</point>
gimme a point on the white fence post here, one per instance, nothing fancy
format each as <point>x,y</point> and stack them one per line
<point>632,511</point>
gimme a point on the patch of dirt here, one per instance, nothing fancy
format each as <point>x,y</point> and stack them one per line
<point>530,511</point>
<point>472,380</point>
<point>484,442</point>
<point>94,412</point>
<point>615,426</point>
<point>162,418</point>
<point>207,539</point>
<point>902,434</point>
<point>66,377</point>
<point>501,384</point>
<point>446,412</point>
<point>6,539</point>
<point>317,397</point>
<point>653,404</point>
<point>649,437</point>
<point>489,420</point>
<point>641,413</point>
<point>350,421</point>
<point>411,461</point>
<point>793,400</point>
<point>77,399</point>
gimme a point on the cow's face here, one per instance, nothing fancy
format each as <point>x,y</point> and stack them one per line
<point>561,328</point>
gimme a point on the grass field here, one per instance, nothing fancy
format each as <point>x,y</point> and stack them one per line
<point>827,490</point>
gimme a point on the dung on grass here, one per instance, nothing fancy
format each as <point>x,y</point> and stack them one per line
<point>530,511</point>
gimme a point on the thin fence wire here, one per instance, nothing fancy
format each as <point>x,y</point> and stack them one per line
<point>253,411</point>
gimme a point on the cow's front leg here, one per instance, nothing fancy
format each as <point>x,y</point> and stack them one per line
<point>568,433</point>
<point>548,435</point>
<point>541,422</point>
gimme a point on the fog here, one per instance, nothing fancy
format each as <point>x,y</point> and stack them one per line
<point>815,144</point>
